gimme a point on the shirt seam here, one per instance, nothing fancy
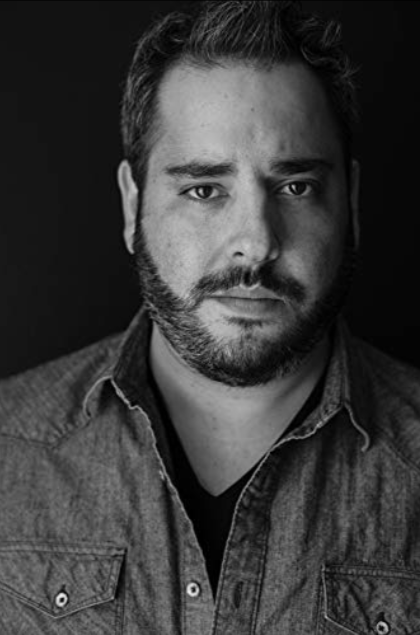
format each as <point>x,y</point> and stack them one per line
<point>408,463</point>
<point>27,440</point>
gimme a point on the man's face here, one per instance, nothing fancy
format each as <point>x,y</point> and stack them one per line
<point>244,243</point>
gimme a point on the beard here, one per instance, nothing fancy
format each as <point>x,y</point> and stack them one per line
<point>247,360</point>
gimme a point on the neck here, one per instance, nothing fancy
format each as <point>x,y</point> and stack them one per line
<point>225,430</point>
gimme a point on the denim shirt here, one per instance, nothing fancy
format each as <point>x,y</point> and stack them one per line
<point>94,539</point>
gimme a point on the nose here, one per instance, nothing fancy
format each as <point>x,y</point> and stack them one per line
<point>254,232</point>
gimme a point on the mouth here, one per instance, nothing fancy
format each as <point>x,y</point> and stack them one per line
<point>253,302</point>
<point>252,294</point>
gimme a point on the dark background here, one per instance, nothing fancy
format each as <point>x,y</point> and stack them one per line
<point>65,277</point>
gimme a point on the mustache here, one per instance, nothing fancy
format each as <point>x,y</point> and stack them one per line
<point>283,286</point>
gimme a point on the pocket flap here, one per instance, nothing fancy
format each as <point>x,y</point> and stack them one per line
<point>58,578</point>
<point>369,599</point>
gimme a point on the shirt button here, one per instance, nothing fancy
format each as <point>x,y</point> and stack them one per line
<point>382,628</point>
<point>61,599</point>
<point>193,589</point>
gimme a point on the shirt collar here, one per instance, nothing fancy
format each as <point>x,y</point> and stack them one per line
<point>345,382</point>
<point>127,368</point>
<point>345,388</point>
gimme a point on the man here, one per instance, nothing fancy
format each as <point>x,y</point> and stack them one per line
<point>236,463</point>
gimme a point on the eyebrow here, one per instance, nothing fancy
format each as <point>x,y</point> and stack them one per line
<point>300,165</point>
<point>200,169</point>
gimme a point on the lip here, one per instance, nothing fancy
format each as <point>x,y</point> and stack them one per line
<point>250,294</point>
<point>248,307</point>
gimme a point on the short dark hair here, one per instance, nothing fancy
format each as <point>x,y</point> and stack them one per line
<point>262,32</point>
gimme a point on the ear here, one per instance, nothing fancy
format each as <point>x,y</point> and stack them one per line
<point>129,200</point>
<point>354,199</point>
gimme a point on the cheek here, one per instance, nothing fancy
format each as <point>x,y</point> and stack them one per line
<point>315,257</point>
<point>175,250</point>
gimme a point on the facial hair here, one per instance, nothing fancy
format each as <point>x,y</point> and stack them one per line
<point>247,360</point>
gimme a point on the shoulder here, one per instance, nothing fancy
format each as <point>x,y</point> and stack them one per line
<point>394,400</point>
<point>43,403</point>
<point>395,381</point>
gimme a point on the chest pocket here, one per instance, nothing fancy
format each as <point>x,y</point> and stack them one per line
<point>367,600</point>
<point>57,589</point>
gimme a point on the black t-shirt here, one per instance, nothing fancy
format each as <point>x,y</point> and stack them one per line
<point>212,515</point>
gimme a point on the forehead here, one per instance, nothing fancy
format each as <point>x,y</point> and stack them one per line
<point>239,111</point>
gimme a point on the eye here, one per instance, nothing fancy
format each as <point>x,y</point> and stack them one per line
<point>297,188</point>
<point>203,192</point>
